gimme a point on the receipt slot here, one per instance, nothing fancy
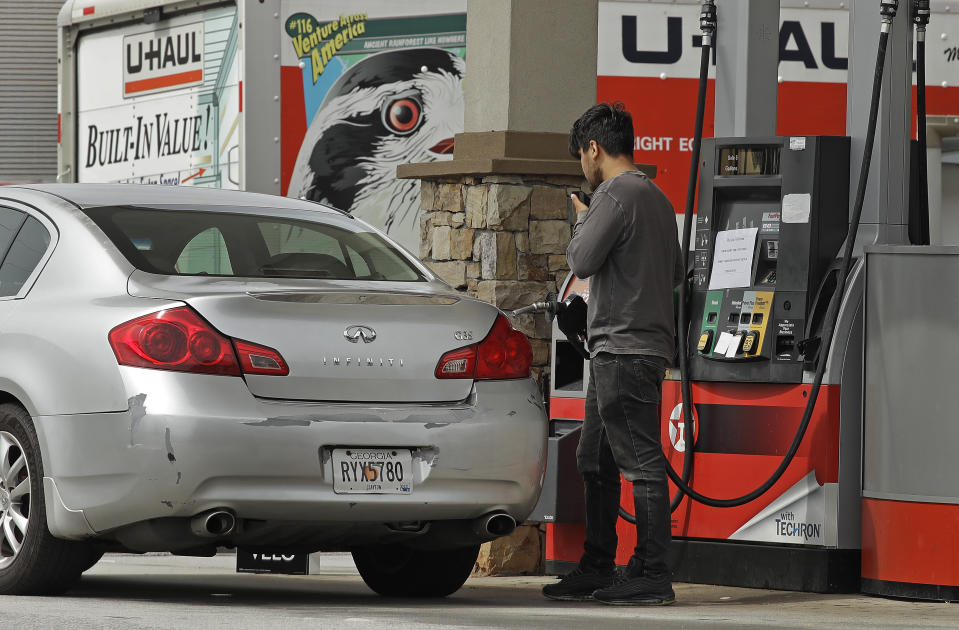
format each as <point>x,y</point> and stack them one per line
<point>772,215</point>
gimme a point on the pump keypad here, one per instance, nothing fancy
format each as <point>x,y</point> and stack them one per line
<point>734,325</point>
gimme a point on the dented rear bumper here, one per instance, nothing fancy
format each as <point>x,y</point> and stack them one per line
<point>190,443</point>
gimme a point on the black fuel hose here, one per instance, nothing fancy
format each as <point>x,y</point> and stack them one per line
<point>683,323</point>
<point>708,26</point>
<point>920,17</point>
<point>888,10</point>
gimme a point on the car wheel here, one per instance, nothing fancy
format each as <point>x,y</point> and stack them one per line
<point>398,571</point>
<point>32,561</point>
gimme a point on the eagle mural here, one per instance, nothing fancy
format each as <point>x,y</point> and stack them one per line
<point>390,108</point>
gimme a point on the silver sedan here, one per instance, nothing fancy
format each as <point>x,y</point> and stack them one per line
<point>187,369</point>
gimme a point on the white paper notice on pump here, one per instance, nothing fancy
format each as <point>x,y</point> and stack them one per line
<point>723,343</point>
<point>796,208</point>
<point>733,258</point>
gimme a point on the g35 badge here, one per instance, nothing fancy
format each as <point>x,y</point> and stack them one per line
<point>463,335</point>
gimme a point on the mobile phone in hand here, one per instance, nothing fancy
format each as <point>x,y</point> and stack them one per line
<point>570,209</point>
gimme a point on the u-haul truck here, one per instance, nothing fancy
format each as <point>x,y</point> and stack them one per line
<point>291,97</point>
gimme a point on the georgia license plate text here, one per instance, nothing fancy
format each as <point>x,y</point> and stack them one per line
<point>372,470</point>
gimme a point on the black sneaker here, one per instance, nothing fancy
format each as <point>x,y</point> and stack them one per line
<point>638,591</point>
<point>578,585</point>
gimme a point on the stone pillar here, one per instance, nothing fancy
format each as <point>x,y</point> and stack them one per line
<point>501,238</point>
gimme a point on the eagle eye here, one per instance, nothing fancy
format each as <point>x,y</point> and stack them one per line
<point>403,113</point>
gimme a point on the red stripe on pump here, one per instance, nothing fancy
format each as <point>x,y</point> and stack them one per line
<point>906,541</point>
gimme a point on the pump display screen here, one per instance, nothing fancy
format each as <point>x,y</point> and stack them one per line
<point>740,213</point>
<point>744,160</point>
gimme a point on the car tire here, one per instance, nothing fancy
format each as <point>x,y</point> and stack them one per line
<point>32,561</point>
<point>398,571</point>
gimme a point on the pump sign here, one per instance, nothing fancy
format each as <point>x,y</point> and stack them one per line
<point>163,60</point>
<point>649,55</point>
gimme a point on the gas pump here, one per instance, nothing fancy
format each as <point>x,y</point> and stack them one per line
<point>770,490</point>
<point>771,219</point>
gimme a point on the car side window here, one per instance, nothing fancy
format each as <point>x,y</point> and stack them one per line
<point>25,254</point>
<point>206,253</point>
<point>10,222</point>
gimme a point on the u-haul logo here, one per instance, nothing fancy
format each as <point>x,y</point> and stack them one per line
<point>656,39</point>
<point>163,60</point>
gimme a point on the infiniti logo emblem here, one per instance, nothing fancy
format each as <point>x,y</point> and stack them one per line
<point>355,333</point>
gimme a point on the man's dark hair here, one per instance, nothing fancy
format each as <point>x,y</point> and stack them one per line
<point>609,124</point>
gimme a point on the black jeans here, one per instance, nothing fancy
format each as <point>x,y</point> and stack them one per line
<point>621,434</point>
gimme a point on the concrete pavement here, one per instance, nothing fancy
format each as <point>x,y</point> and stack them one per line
<point>161,591</point>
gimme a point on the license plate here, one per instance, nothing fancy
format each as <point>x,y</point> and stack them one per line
<point>372,470</point>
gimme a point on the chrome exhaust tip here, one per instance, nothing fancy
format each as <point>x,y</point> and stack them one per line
<point>494,525</point>
<point>213,523</point>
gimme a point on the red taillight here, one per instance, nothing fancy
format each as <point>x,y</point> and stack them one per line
<point>180,340</point>
<point>257,359</point>
<point>504,353</point>
<point>458,364</point>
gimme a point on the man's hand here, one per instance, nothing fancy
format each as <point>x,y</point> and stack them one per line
<point>578,205</point>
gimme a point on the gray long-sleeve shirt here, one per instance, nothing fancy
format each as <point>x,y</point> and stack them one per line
<point>627,245</point>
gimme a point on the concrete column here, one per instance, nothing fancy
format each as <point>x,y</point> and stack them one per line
<point>747,61</point>
<point>531,64</point>
<point>885,215</point>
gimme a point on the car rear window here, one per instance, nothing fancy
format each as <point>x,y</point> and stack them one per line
<point>186,242</point>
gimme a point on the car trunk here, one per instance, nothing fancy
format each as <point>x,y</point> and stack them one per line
<point>378,342</point>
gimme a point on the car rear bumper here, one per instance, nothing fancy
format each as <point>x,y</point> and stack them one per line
<point>191,443</point>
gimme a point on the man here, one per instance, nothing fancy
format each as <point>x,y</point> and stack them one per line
<point>626,243</point>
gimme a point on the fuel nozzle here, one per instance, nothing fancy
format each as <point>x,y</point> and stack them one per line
<point>707,22</point>
<point>570,315</point>
<point>550,306</point>
<point>920,17</point>
<point>888,9</point>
